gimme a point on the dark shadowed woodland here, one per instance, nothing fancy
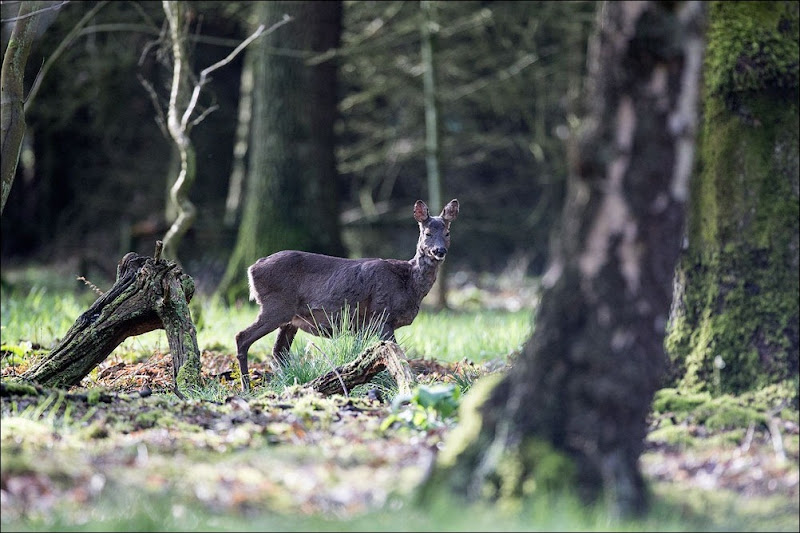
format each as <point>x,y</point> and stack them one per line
<point>612,342</point>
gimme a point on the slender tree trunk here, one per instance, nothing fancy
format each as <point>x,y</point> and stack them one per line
<point>292,194</point>
<point>12,90</point>
<point>737,287</point>
<point>239,166</point>
<point>432,131</point>
<point>178,98</point>
<point>572,412</point>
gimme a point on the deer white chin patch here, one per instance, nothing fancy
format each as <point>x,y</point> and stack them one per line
<point>437,258</point>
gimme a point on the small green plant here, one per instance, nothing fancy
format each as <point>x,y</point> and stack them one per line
<point>216,391</point>
<point>427,407</point>
<point>465,378</point>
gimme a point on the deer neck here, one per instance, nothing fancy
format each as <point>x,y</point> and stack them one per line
<point>423,272</point>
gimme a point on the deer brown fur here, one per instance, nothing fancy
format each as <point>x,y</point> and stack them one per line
<point>302,290</point>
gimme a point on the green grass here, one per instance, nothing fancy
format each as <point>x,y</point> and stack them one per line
<point>136,510</point>
<point>478,336</point>
<point>317,356</point>
<point>39,316</point>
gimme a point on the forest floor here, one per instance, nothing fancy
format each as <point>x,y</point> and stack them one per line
<point>116,455</point>
<point>329,456</point>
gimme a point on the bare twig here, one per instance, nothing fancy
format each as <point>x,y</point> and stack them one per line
<point>221,63</point>
<point>91,285</point>
<point>502,75</point>
<point>160,119</point>
<point>203,115</point>
<point>34,13</point>
<point>63,45</point>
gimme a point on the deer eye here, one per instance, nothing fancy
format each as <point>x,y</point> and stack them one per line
<point>427,233</point>
<point>447,234</point>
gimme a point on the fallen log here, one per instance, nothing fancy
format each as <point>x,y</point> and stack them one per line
<point>385,355</point>
<point>149,293</point>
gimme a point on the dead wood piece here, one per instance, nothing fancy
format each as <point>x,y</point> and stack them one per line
<point>148,294</point>
<point>385,355</point>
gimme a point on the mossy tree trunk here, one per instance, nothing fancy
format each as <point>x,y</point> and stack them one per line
<point>291,197</point>
<point>571,414</point>
<point>149,293</point>
<point>12,79</point>
<point>734,324</point>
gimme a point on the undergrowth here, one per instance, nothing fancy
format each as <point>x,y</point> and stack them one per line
<point>182,440</point>
<point>35,317</point>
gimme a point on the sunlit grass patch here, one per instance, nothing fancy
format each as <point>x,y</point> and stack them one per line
<point>478,336</point>
<point>39,315</point>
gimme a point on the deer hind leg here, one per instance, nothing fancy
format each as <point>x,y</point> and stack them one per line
<point>245,338</point>
<point>286,335</point>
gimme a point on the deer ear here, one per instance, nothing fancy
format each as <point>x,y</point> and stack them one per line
<point>420,211</point>
<point>450,211</point>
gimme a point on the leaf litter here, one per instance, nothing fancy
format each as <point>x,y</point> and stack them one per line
<point>296,451</point>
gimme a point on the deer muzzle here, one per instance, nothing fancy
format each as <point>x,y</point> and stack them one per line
<point>438,253</point>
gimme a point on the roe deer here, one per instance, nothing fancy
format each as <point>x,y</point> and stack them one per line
<point>306,290</point>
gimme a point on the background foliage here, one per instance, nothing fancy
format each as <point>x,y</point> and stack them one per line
<point>93,177</point>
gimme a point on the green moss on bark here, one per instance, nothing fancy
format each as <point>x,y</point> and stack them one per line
<point>516,472</point>
<point>189,374</point>
<point>736,325</point>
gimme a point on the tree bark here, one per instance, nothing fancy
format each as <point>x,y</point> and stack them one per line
<point>734,322</point>
<point>292,193</point>
<point>571,415</point>
<point>12,95</point>
<point>149,293</point>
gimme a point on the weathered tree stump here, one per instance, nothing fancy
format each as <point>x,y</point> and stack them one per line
<point>149,293</point>
<point>385,355</point>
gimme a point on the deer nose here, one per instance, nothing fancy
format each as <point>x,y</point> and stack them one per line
<point>439,252</point>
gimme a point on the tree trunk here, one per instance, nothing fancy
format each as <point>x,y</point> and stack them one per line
<point>149,293</point>
<point>184,209</point>
<point>734,324</point>
<point>432,130</point>
<point>12,90</point>
<point>239,165</point>
<point>572,412</point>
<point>292,193</point>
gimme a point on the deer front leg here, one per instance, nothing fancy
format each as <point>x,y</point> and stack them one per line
<point>245,339</point>
<point>286,335</point>
<point>245,376</point>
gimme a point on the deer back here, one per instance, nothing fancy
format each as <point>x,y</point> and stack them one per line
<point>296,283</point>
